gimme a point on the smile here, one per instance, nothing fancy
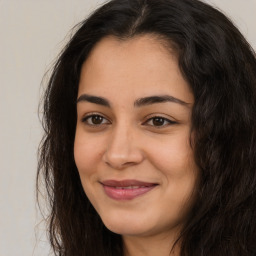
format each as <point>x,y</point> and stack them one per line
<point>126,189</point>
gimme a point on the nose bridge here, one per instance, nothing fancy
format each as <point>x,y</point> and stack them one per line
<point>122,149</point>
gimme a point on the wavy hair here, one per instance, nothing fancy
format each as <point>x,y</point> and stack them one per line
<point>220,67</point>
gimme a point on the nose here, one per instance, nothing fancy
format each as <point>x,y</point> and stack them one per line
<point>123,148</point>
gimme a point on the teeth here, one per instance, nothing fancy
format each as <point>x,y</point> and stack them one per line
<point>130,187</point>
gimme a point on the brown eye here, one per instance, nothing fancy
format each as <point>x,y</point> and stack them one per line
<point>95,120</point>
<point>159,121</point>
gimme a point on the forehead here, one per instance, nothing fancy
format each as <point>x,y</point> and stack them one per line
<point>139,66</point>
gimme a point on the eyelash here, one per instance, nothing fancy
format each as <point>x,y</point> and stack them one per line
<point>86,118</point>
<point>166,121</point>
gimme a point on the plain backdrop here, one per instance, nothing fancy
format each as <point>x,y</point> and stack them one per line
<point>32,32</point>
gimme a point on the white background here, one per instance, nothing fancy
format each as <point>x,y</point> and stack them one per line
<point>32,32</point>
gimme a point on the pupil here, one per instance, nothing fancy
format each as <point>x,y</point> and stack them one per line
<point>97,119</point>
<point>158,121</point>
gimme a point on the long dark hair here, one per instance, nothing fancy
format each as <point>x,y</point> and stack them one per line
<point>220,67</point>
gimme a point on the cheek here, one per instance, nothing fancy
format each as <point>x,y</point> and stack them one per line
<point>87,153</point>
<point>173,155</point>
<point>174,159</point>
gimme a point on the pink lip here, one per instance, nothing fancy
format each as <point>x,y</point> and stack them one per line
<point>126,189</point>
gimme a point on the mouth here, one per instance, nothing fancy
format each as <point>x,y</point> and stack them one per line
<point>126,189</point>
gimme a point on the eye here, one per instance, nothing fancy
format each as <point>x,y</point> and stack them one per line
<point>95,120</point>
<point>159,121</point>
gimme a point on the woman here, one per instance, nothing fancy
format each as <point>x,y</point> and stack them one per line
<point>150,134</point>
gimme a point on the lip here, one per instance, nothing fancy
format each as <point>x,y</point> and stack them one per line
<point>126,189</point>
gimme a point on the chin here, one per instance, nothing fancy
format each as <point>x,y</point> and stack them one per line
<point>125,225</point>
<point>141,226</point>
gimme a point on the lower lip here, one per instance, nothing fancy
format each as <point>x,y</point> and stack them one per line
<point>126,194</point>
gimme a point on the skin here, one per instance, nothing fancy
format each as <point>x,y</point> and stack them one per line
<point>128,142</point>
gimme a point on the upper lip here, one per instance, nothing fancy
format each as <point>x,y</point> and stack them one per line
<point>127,183</point>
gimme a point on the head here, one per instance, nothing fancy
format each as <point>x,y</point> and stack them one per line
<point>133,129</point>
<point>201,59</point>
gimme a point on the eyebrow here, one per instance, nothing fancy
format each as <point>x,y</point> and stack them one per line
<point>138,103</point>
<point>158,99</point>
<point>94,99</point>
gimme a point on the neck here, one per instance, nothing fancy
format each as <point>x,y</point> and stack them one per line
<point>150,245</point>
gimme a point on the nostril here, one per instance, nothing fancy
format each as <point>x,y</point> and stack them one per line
<point>120,161</point>
<point>122,150</point>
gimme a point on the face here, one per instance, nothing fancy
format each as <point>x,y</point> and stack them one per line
<point>132,146</point>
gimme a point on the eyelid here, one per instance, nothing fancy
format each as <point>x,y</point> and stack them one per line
<point>152,116</point>
<point>91,114</point>
<point>146,122</point>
